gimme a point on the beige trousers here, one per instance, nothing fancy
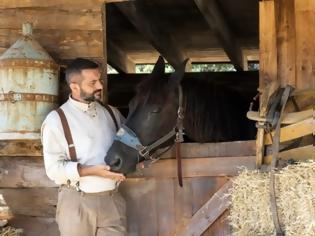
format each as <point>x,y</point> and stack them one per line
<point>90,214</point>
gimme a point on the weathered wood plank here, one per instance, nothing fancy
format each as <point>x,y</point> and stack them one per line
<point>197,167</point>
<point>293,131</point>
<point>31,201</point>
<point>23,172</point>
<point>286,45</point>
<point>224,149</point>
<point>62,4</point>
<point>30,172</point>
<point>61,44</point>
<point>299,154</point>
<point>208,213</point>
<point>188,150</point>
<point>142,197</point>
<point>202,189</point>
<point>221,226</point>
<point>20,148</point>
<point>305,51</point>
<point>183,203</point>
<point>35,226</point>
<point>216,20</point>
<point>165,205</point>
<point>288,118</point>
<point>51,19</point>
<point>268,43</point>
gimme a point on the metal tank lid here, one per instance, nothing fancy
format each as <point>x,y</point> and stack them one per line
<point>26,47</point>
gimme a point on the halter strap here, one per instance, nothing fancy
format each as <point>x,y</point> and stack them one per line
<point>128,137</point>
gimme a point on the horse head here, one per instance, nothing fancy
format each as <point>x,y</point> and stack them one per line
<point>152,120</point>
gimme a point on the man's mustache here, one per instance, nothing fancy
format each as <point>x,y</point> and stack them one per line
<point>99,90</point>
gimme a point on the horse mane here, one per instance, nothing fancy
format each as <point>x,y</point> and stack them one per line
<point>213,112</point>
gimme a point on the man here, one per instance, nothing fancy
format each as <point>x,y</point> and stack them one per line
<point>88,200</point>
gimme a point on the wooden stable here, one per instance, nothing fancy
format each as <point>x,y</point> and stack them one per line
<point>156,204</point>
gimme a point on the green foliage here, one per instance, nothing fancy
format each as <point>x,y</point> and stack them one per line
<point>205,67</point>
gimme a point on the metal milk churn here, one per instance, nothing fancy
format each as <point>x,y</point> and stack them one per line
<point>28,88</point>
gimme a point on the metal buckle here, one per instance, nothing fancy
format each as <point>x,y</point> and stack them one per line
<point>68,183</point>
<point>143,151</point>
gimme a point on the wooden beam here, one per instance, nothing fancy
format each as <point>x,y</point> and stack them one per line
<point>50,18</point>
<point>209,212</point>
<point>286,41</point>
<point>304,13</point>
<point>223,32</point>
<point>61,44</point>
<point>223,149</point>
<point>118,59</point>
<point>188,150</point>
<point>62,4</point>
<point>294,131</point>
<point>140,15</point>
<point>30,172</point>
<point>20,148</point>
<point>197,167</point>
<point>267,44</point>
<point>298,154</point>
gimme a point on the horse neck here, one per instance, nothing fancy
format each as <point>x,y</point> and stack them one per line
<point>203,113</point>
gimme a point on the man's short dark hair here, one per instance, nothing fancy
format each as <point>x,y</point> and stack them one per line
<point>77,65</point>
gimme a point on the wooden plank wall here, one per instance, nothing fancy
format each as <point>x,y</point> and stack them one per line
<point>287,51</point>
<point>156,204</point>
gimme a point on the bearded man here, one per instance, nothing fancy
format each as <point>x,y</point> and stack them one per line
<point>76,138</point>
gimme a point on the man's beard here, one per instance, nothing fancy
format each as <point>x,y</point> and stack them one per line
<point>89,97</point>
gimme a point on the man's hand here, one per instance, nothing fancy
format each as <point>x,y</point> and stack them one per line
<point>101,170</point>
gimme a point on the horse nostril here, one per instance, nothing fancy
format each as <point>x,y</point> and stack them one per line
<point>116,164</point>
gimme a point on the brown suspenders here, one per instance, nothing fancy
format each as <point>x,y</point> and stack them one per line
<point>66,129</point>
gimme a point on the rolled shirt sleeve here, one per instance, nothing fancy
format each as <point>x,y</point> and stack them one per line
<point>57,164</point>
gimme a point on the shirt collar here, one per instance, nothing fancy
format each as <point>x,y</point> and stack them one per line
<point>86,107</point>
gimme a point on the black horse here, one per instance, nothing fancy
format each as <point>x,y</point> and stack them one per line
<point>207,111</point>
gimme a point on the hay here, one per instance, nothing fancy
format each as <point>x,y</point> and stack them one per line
<point>10,231</point>
<point>250,213</point>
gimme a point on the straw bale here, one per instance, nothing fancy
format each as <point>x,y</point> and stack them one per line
<point>10,231</point>
<point>250,213</point>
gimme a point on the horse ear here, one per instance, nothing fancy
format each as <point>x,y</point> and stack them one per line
<point>178,75</point>
<point>159,68</point>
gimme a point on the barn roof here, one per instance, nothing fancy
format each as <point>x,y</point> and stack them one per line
<point>137,31</point>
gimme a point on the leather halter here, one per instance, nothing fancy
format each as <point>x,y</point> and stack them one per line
<point>128,137</point>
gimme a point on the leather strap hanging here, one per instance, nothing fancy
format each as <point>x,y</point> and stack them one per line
<point>275,152</point>
<point>110,111</point>
<point>66,129</point>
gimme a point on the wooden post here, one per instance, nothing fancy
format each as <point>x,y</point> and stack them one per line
<point>268,65</point>
<point>285,30</point>
<point>104,68</point>
<point>268,46</point>
<point>305,50</point>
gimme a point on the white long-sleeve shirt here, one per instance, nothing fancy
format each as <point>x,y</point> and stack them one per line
<point>92,130</point>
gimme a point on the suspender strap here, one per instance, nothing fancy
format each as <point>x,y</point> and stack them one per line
<point>110,111</point>
<point>66,130</point>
